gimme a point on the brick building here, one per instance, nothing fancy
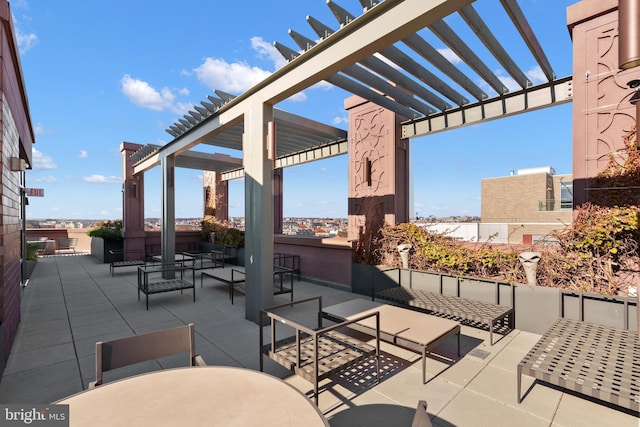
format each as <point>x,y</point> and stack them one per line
<point>532,202</point>
<point>15,156</point>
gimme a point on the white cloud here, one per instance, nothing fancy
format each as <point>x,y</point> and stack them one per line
<point>340,120</point>
<point>55,209</point>
<point>298,97</point>
<point>102,179</point>
<point>41,161</point>
<point>536,75</point>
<point>386,60</point>
<point>234,77</point>
<point>450,55</point>
<point>38,129</point>
<point>83,154</point>
<point>507,80</point>
<point>25,40</point>
<point>144,95</point>
<point>267,50</point>
<point>48,178</point>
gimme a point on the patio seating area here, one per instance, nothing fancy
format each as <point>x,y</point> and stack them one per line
<point>72,302</point>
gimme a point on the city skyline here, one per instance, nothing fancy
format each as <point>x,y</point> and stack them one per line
<point>129,85</point>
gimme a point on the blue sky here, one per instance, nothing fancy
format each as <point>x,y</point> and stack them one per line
<point>100,73</point>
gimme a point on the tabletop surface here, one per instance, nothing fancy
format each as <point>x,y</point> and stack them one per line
<point>195,396</point>
<point>416,326</point>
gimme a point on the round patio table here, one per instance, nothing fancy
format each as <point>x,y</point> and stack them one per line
<point>195,396</point>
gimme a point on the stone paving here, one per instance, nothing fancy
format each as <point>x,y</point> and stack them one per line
<point>71,302</point>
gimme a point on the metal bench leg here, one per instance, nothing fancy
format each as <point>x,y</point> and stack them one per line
<point>424,364</point>
<point>519,384</point>
<point>491,332</point>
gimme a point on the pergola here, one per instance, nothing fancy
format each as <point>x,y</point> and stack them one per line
<point>382,56</point>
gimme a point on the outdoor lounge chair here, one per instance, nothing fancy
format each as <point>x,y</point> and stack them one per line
<point>316,351</point>
<point>140,348</point>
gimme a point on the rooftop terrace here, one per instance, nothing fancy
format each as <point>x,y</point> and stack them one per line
<point>72,301</point>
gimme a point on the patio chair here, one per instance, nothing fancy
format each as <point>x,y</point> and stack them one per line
<point>140,348</point>
<point>421,418</point>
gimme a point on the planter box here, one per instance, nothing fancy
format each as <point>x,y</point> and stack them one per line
<point>536,307</point>
<point>234,255</point>
<point>27,268</point>
<point>100,248</point>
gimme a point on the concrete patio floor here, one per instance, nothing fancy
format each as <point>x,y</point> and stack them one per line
<point>72,301</point>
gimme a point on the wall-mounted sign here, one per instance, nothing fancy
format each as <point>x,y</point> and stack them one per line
<point>34,192</point>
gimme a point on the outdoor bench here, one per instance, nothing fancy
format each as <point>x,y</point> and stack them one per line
<point>125,258</point>
<point>206,260</point>
<point>289,261</point>
<point>165,278</point>
<point>316,352</point>
<point>595,360</point>
<point>469,310</point>
<point>235,278</point>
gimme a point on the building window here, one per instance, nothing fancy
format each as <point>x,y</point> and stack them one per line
<point>566,195</point>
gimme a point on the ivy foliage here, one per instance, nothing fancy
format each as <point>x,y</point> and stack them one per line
<point>598,253</point>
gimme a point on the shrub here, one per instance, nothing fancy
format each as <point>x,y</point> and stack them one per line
<point>108,230</point>
<point>224,234</point>
<point>32,252</point>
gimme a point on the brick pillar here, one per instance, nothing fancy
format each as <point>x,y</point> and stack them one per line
<point>378,167</point>
<point>602,113</point>
<point>216,197</point>
<point>132,201</point>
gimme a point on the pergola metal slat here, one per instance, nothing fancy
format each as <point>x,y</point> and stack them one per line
<point>344,17</point>
<point>341,14</point>
<point>520,21</point>
<point>352,86</point>
<point>323,31</point>
<point>364,76</point>
<point>455,43</point>
<point>483,32</point>
<point>428,52</point>
<point>402,81</point>
<point>215,101</point>
<point>285,118</point>
<point>385,70</point>
<point>357,89</point>
<point>407,63</point>
<point>226,97</point>
<point>209,106</point>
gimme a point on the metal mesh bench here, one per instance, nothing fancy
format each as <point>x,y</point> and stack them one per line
<point>206,260</point>
<point>235,279</point>
<point>165,278</point>
<point>591,359</point>
<point>463,308</point>
<point>125,258</point>
<point>316,352</point>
